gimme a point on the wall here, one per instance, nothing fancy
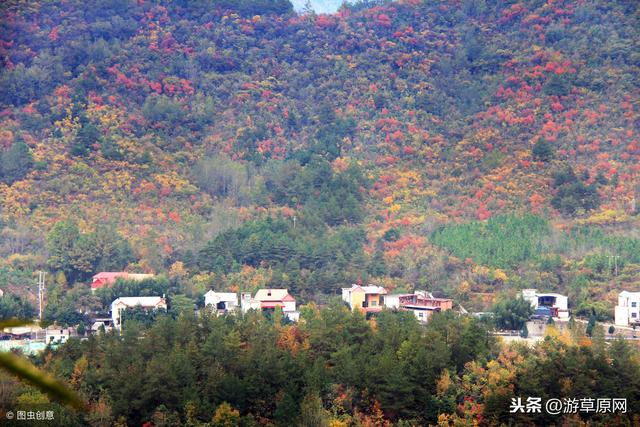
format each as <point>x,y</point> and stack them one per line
<point>289,306</point>
<point>373,298</point>
<point>357,298</point>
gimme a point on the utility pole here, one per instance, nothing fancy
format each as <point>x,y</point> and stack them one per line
<point>41,290</point>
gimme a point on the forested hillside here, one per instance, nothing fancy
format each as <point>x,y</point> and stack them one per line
<point>334,369</point>
<point>472,148</point>
<point>238,144</point>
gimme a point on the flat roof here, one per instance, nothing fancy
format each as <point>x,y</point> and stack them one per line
<point>224,296</point>
<point>631,294</point>
<point>369,289</point>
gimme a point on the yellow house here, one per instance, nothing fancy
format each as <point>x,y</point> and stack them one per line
<point>366,298</point>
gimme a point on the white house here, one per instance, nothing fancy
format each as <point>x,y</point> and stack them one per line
<point>556,303</point>
<point>123,303</point>
<point>58,335</point>
<point>269,299</point>
<point>222,301</point>
<point>628,309</point>
<point>99,323</point>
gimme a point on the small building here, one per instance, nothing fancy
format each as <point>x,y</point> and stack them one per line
<point>370,299</point>
<point>108,278</point>
<point>58,335</point>
<point>101,324</point>
<point>123,303</point>
<point>268,300</point>
<point>223,302</point>
<point>556,303</point>
<point>627,312</point>
<point>421,303</point>
<point>33,331</point>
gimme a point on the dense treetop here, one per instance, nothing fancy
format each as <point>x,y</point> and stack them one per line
<point>333,369</point>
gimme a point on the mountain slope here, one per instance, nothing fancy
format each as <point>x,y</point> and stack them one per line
<point>173,123</point>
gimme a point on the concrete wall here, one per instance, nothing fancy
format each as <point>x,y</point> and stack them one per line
<point>357,298</point>
<point>422,315</point>
<point>346,295</point>
<point>621,316</point>
<point>289,306</point>
<point>562,302</point>
<point>392,301</point>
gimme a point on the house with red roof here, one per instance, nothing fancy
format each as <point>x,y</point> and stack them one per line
<point>108,278</point>
<point>268,300</point>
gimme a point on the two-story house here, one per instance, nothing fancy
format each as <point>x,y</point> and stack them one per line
<point>369,299</point>
<point>556,304</point>
<point>222,302</point>
<point>268,299</point>
<point>627,312</point>
<point>421,303</point>
<point>121,304</point>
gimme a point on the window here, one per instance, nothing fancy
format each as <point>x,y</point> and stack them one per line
<point>634,315</point>
<point>374,303</point>
<point>633,304</point>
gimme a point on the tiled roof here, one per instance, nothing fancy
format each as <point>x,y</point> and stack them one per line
<point>273,295</point>
<point>110,275</point>
<point>140,301</point>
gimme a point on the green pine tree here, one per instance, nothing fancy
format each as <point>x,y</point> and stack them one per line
<point>16,162</point>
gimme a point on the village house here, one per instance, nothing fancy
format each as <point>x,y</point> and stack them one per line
<point>59,335</point>
<point>421,303</point>
<point>369,299</point>
<point>268,299</point>
<point>627,312</point>
<point>108,278</point>
<point>543,302</point>
<point>123,303</point>
<point>101,324</point>
<point>222,302</point>
<point>33,331</point>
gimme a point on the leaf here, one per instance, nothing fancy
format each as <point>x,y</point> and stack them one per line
<point>24,370</point>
